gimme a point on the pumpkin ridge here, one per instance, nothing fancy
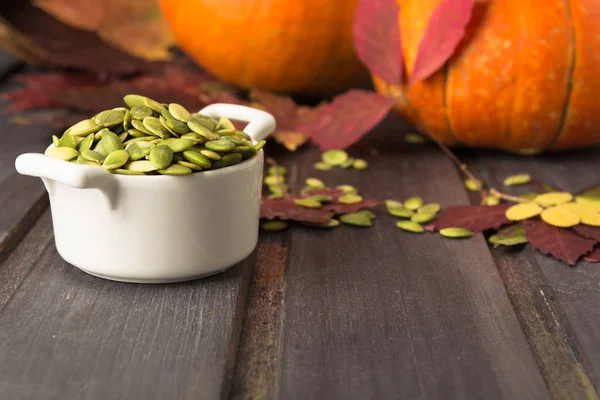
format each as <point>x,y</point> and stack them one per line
<point>457,141</point>
<point>565,112</point>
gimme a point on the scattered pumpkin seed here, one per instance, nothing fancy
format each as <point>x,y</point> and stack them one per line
<point>511,240</point>
<point>360,164</point>
<point>522,211</point>
<point>491,201</point>
<point>473,185</point>
<point>321,198</point>
<point>278,189</point>
<point>519,179</point>
<point>115,160</point>
<point>393,204</point>
<point>332,223</point>
<point>334,157</point>
<point>432,208</point>
<point>401,212</point>
<point>315,183</point>
<point>553,198</point>
<point>414,138</point>
<point>456,233</point>
<point>368,213</point>
<point>274,226</point>
<point>307,202</point>
<point>273,179</point>
<point>277,170</point>
<point>356,219</point>
<point>530,196</point>
<point>347,189</point>
<point>62,153</point>
<point>321,166</point>
<point>559,216</point>
<point>348,163</point>
<point>413,203</point>
<point>350,198</point>
<point>410,226</point>
<point>422,217</point>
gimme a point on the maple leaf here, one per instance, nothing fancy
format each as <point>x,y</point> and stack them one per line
<point>285,208</point>
<point>563,244</point>
<point>445,29</point>
<point>590,232</point>
<point>288,115</point>
<point>340,208</point>
<point>376,34</point>
<point>594,256</point>
<point>474,218</point>
<point>347,119</point>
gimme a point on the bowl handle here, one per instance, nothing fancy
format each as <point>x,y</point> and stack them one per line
<point>260,123</point>
<point>75,175</point>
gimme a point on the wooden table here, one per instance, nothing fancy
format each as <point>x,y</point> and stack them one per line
<point>348,313</point>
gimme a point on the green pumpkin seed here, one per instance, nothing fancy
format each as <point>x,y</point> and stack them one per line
<point>140,166</point>
<point>243,135</point>
<point>123,136</point>
<point>315,183</point>
<point>278,189</point>
<point>260,145</point>
<point>347,189</point>
<point>422,217</point>
<point>273,180</point>
<point>308,203</point>
<point>177,144</point>
<point>126,172</point>
<point>414,138</point>
<point>413,203</point>
<point>410,226</point>
<point>175,169</point>
<point>140,112</point>
<point>473,185</point>
<point>197,158</point>
<point>401,212</point>
<point>189,165</point>
<point>274,226</point>
<point>115,160</point>
<point>432,208</point>
<point>512,240</point>
<point>348,163</point>
<point>205,121</point>
<point>456,232</point>
<point>321,198</point>
<point>198,139</point>
<point>153,125</point>
<point>176,126</point>
<point>494,201</point>
<point>321,166</point>
<point>83,128</point>
<point>99,149</point>
<point>368,213</point>
<point>148,139</point>
<point>227,160</point>
<point>393,204</point>
<point>360,164</point>
<point>179,112</point>
<point>127,120</point>
<point>109,118</point>
<point>226,132</point>
<point>62,153</point>
<point>67,141</point>
<point>356,219</point>
<point>110,142</point>
<point>334,157</point>
<point>519,179</point>
<point>161,156</point>
<point>246,151</point>
<point>139,150</point>
<point>136,133</point>
<point>224,123</point>
<point>213,155</point>
<point>238,141</point>
<point>332,223</point>
<point>139,125</point>
<point>277,170</point>
<point>55,140</point>
<point>220,145</point>
<point>350,198</point>
<point>86,143</point>
<point>133,100</point>
<point>202,130</point>
<point>80,160</point>
<point>92,155</point>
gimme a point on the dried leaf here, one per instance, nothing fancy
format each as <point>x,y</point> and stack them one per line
<point>136,27</point>
<point>590,232</point>
<point>474,218</point>
<point>347,119</point>
<point>376,34</point>
<point>340,208</point>
<point>563,244</point>
<point>285,209</point>
<point>445,30</point>
<point>594,256</point>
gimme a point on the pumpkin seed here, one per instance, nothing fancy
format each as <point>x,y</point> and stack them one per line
<point>179,112</point>
<point>220,145</point>
<point>356,219</point>
<point>278,189</point>
<point>277,170</point>
<point>55,140</point>
<point>243,135</point>
<point>360,164</point>
<point>121,171</point>
<point>177,145</point>
<point>422,217</point>
<point>348,163</point>
<point>491,201</point>
<point>519,179</point>
<point>432,208</point>
<point>321,166</point>
<point>80,160</point>
<point>321,198</point>
<point>67,141</point>
<point>116,159</point>
<point>553,198</point>
<point>473,185</point>
<point>109,118</point>
<point>515,238</point>
<point>413,203</point>
<point>410,226</point>
<point>139,125</point>
<point>139,150</point>
<point>559,216</point>
<point>315,183</point>
<point>224,123</point>
<point>123,136</point>
<point>176,126</point>
<point>110,142</point>
<point>83,128</point>
<point>227,160</point>
<point>140,166</point>
<point>350,198</point>
<point>456,233</point>
<point>92,155</point>
<point>260,145</point>
<point>347,189</point>
<point>86,143</point>
<point>213,155</point>
<point>140,112</point>
<point>194,137</point>
<point>227,132</point>
<point>522,211</point>
<point>153,125</point>
<point>274,226</point>
<point>202,130</point>
<point>205,121</point>
<point>401,212</point>
<point>273,180</point>
<point>189,165</point>
<point>62,153</point>
<point>175,169</point>
<point>246,151</point>
<point>368,213</point>
<point>161,156</point>
<point>393,204</point>
<point>197,158</point>
<point>414,138</point>
<point>308,203</point>
<point>334,157</point>
<point>332,223</point>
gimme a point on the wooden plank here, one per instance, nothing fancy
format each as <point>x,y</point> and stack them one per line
<point>22,199</point>
<point>65,334</point>
<point>557,305</point>
<point>380,313</point>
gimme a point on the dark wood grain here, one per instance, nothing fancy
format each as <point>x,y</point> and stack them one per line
<point>65,334</point>
<point>557,305</point>
<point>379,313</point>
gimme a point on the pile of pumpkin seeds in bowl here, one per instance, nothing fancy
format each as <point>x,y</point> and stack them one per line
<point>151,138</point>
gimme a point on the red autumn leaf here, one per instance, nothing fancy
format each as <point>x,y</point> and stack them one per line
<point>563,244</point>
<point>445,30</point>
<point>340,208</point>
<point>347,119</point>
<point>286,209</point>
<point>334,193</point>
<point>376,34</point>
<point>590,232</point>
<point>594,256</point>
<point>474,218</point>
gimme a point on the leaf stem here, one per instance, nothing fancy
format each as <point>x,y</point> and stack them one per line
<point>507,197</point>
<point>462,166</point>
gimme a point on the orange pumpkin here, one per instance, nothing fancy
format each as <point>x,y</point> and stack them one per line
<point>302,47</point>
<point>525,77</point>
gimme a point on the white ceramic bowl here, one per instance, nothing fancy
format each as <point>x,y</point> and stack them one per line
<point>156,229</point>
